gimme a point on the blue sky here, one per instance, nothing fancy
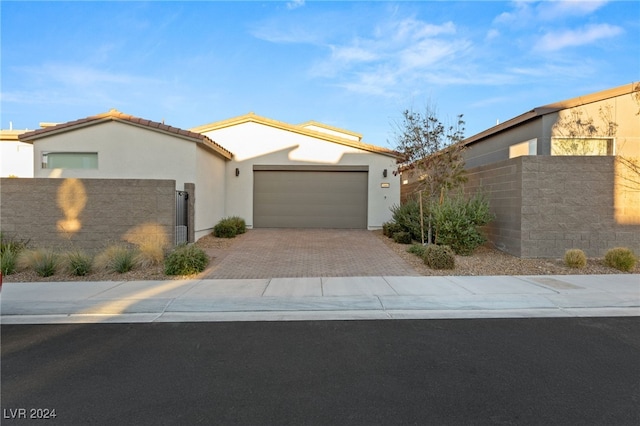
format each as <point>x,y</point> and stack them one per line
<point>354,65</point>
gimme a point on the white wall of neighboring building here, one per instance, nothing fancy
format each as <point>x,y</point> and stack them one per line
<point>259,144</point>
<point>16,158</point>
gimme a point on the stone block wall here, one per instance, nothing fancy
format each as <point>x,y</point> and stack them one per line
<point>87,213</point>
<point>546,205</point>
<point>501,183</point>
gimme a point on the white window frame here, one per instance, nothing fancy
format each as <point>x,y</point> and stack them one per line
<point>45,161</point>
<point>611,145</point>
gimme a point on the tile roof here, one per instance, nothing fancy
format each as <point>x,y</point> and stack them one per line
<point>300,129</point>
<point>115,115</point>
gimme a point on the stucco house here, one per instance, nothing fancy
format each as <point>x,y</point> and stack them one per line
<point>307,176</point>
<point>561,176</point>
<point>601,123</point>
<point>270,173</point>
<point>114,145</point>
<point>16,157</point>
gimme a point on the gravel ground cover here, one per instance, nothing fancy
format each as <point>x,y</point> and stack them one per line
<point>486,260</point>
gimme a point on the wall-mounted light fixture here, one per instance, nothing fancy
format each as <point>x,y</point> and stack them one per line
<point>237,172</point>
<point>384,173</point>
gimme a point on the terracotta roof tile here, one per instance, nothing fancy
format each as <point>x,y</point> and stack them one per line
<point>113,115</point>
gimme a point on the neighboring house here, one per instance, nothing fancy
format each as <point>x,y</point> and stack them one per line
<point>16,157</point>
<point>306,176</point>
<point>602,123</point>
<point>117,145</point>
<point>561,176</point>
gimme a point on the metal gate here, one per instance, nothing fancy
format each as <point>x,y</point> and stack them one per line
<point>182,217</point>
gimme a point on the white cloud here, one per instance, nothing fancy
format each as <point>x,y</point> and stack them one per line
<point>397,53</point>
<point>295,4</point>
<point>550,10</point>
<point>558,40</point>
<point>80,75</point>
<point>529,13</point>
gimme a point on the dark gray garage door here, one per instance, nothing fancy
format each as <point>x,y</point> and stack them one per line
<point>311,198</point>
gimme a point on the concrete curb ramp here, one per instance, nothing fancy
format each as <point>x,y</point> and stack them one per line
<point>326,298</point>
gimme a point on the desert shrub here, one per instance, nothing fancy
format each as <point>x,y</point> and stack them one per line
<point>390,228</point>
<point>407,217</point>
<point>11,245</point>
<point>149,254</point>
<point>116,258</point>
<point>239,223</point>
<point>620,258</point>
<point>417,249</point>
<point>439,257</point>
<point>8,260</point>
<point>78,263</point>
<point>457,221</point>
<point>402,237</point>
<point>44,262</point>
<point>9,251</point>
<point>225,229</point>
<point>186,260</point>
<point>575,258</point>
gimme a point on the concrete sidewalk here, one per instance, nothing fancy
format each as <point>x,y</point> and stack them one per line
<point>327,298</point>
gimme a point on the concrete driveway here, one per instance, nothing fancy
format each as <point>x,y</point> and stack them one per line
<point>280,253</point>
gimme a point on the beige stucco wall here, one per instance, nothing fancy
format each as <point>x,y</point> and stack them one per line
<point>16,159</point>
<point>130,152</point>
<point>623,111</point>
<point>259,144</point>
<point>210,191</point>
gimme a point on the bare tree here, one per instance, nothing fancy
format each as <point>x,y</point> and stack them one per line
<point>431,150</point>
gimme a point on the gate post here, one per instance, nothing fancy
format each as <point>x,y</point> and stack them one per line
<point>190,188</point>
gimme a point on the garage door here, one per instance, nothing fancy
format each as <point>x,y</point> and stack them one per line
<point>310,198</point>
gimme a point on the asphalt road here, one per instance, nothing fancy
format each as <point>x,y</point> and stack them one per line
<point>445,372</point>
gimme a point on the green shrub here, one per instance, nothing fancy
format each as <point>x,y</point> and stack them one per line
<point>407,217</point>
<point>239,223</point>
<point>620,258</point>
<point>116,258</point>
<point>439,257</point>
<point>186,260</point>
<point>225,229</point>
<point>8,259</point>
<point>78,263</point>
<point>390,228</point>
<point>402,237</point>
<point>457,221</point>
<point>575,258</point>
<point>44,262</point>
<point>417,249</point>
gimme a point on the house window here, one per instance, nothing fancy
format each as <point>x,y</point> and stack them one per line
<point>529,147</point>
<point>582,146</point>
<point>70,160</point>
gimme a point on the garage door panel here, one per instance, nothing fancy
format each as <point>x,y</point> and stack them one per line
<point>310,199</point>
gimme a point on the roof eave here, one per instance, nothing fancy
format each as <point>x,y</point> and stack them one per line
<point>253,118</point>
